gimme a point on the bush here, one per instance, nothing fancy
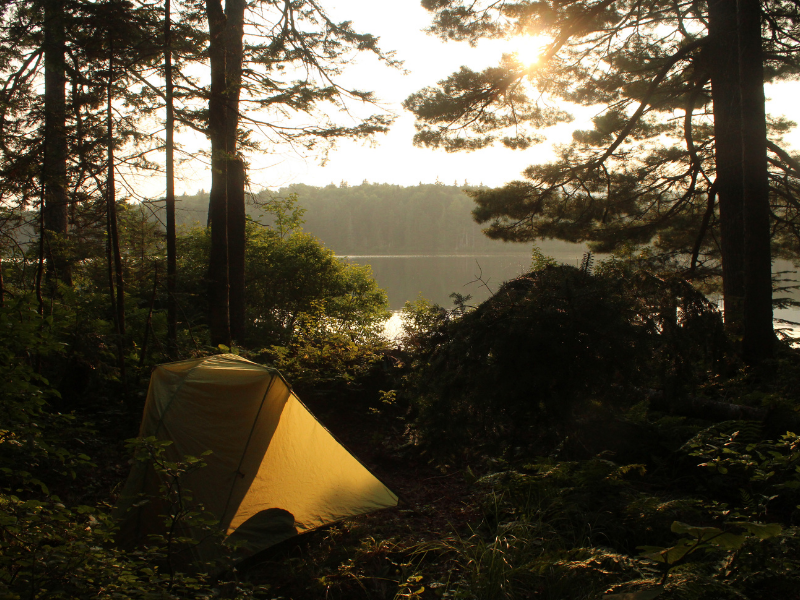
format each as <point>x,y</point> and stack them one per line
<point>550,342</point>
<point>294,277</point>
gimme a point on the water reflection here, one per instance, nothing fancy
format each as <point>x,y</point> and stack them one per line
<point>436,277</point>
<point>405,277</point>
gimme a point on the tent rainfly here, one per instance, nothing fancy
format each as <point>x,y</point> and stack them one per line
<point>274,471</point>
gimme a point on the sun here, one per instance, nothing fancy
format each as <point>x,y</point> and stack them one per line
<point>528,49</point>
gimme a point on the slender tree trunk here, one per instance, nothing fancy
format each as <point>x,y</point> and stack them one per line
<point>2,286</point>
<point>234,36</point>
<point>148,324</point>
<point>236,247</point>
<point>111,204</point>
<point>54,168</point>
<point>218,286</point>
<point>724,60</point>
<point>40,261</point>
<point>172,264</point>
<point>759,336</point>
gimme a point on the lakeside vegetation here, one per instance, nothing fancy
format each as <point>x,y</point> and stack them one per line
<point>588,432</point>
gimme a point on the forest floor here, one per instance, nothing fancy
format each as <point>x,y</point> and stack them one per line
<point>373,555</point>
<point>542,527</point>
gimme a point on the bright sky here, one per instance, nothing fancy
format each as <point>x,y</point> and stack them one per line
<point>392,158</point>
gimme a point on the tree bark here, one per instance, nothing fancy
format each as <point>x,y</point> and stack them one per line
<point>111,207</point>
<point>2,286</point>
<point>236,247</point>
<point>172,264</point>
<point>234,38</point>
<point>218,285</point>
<point>226,29</point>
<point>759,337</point>
<point>54,167</point>
<point>724,66</point>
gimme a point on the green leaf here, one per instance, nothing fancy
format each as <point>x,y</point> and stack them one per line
<point>701,533</point>
<point>641,595</point>
<point>669,555</point>
<point>762,531</point>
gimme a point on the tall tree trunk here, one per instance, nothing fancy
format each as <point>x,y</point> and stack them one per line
<point>218,286</point>
<point>172,264</point>
<point>759,337</point>
<point>111,207</point>
<point>724,60</point>
<point>234,37</point>
<point>54,168</point>
<point>236,247</point>
<point>2,286</point>
<point>226,29</point>
<point>40,261</point>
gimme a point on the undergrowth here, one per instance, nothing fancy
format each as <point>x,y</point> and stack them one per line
<point>627,499</point>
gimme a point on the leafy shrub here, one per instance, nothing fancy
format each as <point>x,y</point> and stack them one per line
<point>295,278</point>
<point>33,436</point>
<point>549,342</point>
<point>316,317</point>
<point>317,356</point>
<point>756,478</point>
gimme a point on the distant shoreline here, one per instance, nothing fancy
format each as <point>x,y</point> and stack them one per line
<point>432,255</point>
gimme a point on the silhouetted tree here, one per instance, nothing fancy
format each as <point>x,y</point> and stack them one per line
<point>639,177</point>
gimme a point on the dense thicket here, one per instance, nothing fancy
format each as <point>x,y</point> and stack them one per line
<point>526,363</point>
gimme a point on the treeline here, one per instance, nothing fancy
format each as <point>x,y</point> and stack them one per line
<point>375,218</point>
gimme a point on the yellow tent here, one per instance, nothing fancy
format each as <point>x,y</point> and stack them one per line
<point>274,470</point>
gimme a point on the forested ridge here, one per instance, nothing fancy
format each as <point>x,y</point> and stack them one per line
<point>376,218</point>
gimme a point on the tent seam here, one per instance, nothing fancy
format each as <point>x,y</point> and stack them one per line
<point>246,446</point>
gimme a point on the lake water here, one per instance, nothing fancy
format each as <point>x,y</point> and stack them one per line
<point>406,277</point>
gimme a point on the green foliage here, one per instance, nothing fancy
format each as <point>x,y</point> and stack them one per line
<point>294,276</point>
<point>421,320</point>
<point>755,477</point>
<point>33,435</point>
<point>51,551</point>
<point>540,261</point>
<point>548,344</point>
<point>556,529</point>
<point>743,551</point>
<point>288,276</point>
<point>286,213</point>
<point>547,531</point>
<point>439,109</point>
<point>320,355</point>
<point>317,317</point>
